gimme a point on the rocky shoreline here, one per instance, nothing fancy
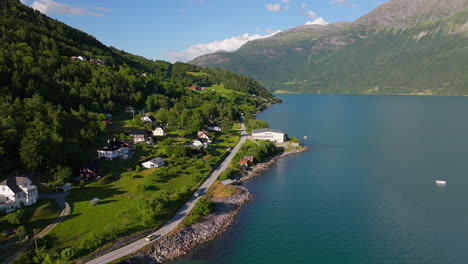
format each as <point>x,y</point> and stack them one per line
<point>266,164</point>
<point>182,241</point>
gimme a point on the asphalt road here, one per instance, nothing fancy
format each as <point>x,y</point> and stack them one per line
<point>180,215</point>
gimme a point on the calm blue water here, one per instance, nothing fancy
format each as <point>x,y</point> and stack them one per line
<point>365,191</point>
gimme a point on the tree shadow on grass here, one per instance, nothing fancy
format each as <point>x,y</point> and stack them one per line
<point>105,202</point>
<point>90,192</point>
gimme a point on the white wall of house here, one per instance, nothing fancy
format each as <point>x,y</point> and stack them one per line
<point>154,163</point>
<point>269,135</point>
<point>9,201</point>
<point>121,153</point>
<point>159,132</point>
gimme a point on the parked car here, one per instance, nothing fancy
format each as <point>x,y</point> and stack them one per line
<point>150,237</point>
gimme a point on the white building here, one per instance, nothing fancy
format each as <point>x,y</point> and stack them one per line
<point>273,135</point>
<point>159,131</point>
<point>114,150</point>
<point>148,119</point>
<point>140,136</point>
<point>214,127</point>
<point>16,192</point>
<point>200,143</point>
<point>154,163</point>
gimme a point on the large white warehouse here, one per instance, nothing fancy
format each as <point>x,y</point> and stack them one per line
<point>270,134</point>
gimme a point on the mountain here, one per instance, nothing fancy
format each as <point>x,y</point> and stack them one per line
<point>401,47</point>
<point>53,101</point>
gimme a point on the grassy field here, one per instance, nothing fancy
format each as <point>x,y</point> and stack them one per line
<point>219,88</point>
<point>198,73</point>
<point>176,181</point>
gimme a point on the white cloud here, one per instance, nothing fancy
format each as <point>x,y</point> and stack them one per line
<point>318,21</point>
<point>273,7</point>
<point>286,1</point>
<point>307,12</point>
<point>52,7</point>
<point>342,3</point>
<point>229,44</point>
<point>271,31</point>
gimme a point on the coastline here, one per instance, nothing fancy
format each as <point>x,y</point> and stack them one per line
<point>185,239</point>
<point>270,161</point>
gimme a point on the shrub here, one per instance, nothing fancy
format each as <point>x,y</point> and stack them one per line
<point>138,168</point>
<point>104,180</point>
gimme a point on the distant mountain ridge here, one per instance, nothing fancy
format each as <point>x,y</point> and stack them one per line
<point>401,47</point>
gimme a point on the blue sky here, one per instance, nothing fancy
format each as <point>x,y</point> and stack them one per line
<point>181,29</point>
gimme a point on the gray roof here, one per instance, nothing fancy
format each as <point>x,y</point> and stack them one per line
<point>13,183</point>
<point>137,131</point>
<point>158,159</point>
<point>263,130</point>
<point>227,182</point>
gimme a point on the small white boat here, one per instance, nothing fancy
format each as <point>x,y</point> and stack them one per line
<point>305,137</point>
<point>441,182</point>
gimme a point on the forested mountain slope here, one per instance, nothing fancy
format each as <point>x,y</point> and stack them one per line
<point>402,47</point>
<point>52,106</point>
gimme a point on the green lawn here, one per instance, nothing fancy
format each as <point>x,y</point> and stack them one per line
<point>219,88</point>
<point>198,73</point>
<point>176,181</point>
<point>41,214</point>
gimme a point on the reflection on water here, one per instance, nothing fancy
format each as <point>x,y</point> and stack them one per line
<point>365,192</point>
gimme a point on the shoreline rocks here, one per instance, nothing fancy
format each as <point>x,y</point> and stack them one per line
<point>266,164</point>
<point>185,239</point>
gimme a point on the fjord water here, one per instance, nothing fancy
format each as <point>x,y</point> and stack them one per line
<point>364,192</point>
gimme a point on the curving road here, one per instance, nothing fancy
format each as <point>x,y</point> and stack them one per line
<point>180,215</point>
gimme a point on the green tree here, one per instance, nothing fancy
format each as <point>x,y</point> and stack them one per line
<point>16,218</point>
<point>63,174</point>
<point>30,150</point>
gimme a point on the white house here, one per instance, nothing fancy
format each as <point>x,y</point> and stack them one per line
<point>154,163</point>
<point>214,127</point>
<point>16,192</point>
<point>273,135</point>
<point>114,150</point>
<point>159,131</point>
<point>148,119</point>
<point>140,135</point>
<point>200,143</point>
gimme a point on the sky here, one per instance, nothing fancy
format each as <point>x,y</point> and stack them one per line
<point>180,30</point>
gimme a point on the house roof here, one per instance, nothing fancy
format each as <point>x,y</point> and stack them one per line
<point>249,158</point>
<point>156,160</point>
<point>13,183</point>
<point>203,132</point>
<point>263,130</point>
<point>93,167</point>
<point>150,118</point>
<point>159,126</point>
<point>227,182</point>
<point>137,131</point>
<point>114,145</point>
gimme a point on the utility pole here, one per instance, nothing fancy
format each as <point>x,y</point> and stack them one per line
<point>35,238</point>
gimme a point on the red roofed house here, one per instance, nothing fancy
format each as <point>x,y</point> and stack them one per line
<point>204,134</point>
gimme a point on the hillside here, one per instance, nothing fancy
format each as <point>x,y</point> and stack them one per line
<point>52,105</point>
<point>401,47</point>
